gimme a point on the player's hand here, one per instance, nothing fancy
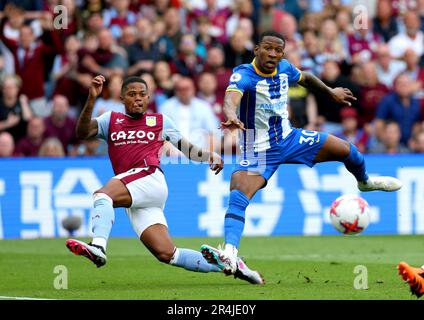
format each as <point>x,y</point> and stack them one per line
<point>232,124</point>
<point>96,86</point>
<point>215,162</point>
<point>343,96</point>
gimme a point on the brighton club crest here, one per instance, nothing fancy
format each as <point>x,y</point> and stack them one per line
<point>151,121</point>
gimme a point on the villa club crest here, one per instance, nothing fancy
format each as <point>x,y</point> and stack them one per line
<point>151,121</point>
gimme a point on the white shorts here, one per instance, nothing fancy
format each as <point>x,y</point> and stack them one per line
<point>149,191</point>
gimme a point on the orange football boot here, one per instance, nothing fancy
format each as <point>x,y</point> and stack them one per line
<point>413,276</point>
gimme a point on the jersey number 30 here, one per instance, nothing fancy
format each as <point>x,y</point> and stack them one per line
<point>308,136</point>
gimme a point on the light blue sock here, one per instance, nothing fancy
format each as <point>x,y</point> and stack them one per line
<point>234,218</point>
<point>192,260</point>
<point>355,164</point>
<point>103,216</point>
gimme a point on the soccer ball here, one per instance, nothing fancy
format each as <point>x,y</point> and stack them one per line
<point>350,214</point>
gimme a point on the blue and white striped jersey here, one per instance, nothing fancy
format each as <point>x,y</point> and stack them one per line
<point>263,107</point>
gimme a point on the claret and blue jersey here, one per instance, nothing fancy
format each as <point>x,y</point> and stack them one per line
<point>269,136</point>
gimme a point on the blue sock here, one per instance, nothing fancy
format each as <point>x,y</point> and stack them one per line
<point>234,218</point>
<point>192,260</point>
<point>355,164</point>
<point>103,216</point>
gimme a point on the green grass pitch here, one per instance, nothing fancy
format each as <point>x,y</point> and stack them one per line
<point>294,267</point>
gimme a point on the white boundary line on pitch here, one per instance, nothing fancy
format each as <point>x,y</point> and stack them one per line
<point>23,298</point>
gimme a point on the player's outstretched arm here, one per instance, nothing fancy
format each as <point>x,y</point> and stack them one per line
<point>87,127</point>
<point>341,95</point>
<point>231,102</point>
<point>200,155</point>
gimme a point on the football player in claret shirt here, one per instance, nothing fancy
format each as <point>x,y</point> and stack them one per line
<point>135,139</point>
<point>256,103</point>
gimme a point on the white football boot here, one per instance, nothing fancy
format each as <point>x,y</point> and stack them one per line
<point>380,183</point>
<point>244,273</point>
<point>226,261</point>
<point>93,252</point>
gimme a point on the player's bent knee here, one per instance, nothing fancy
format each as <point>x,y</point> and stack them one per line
<point>345,148</point>
<point>341,150</point>
<point>239,186</point>
<point>248,189</point>
<point>334,149</point>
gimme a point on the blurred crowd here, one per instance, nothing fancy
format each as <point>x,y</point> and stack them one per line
<point>186,49</point>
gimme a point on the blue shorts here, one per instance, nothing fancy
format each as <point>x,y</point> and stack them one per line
<point>300,146</point>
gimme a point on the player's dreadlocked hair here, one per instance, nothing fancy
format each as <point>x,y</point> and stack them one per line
<point>271,33</point>
<point>132,79</point>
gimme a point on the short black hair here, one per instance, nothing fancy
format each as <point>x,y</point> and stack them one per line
<point>271,33</point>
<point>132,79</point>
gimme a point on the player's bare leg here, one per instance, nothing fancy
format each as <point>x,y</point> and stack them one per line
<point>113,194</point>
<point>118,192</point>
<point>336,149</point>
<point>157,240</point>
<point>243,186</point>
<point>247,182</point>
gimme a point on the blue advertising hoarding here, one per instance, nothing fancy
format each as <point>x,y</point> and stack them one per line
<point>37,194</point>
